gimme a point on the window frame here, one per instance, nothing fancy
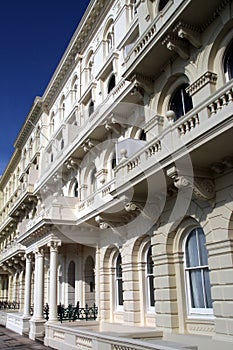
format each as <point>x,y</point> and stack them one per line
<point>118,283</point>
<point>148,277</point>
<point>185,99</point>
<point>194,311</point>
<point>228,55</point>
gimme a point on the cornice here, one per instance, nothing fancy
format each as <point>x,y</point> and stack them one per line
<point>77,42</point>
<point>29,123</point>
<point>10,168</point>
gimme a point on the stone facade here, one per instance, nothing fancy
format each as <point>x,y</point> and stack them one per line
<point>120,189</point>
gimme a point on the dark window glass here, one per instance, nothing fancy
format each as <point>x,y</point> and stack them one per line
<point>162,4</point>
<point>91,108</point>
<point>181,103</point>
<point>119,282</point>
<point>228,62</point>
<point>111,83</point>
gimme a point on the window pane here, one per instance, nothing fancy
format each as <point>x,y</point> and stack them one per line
<point>151,290</point>
<point>209,303</point>
<point>181,102</point>
<point>118,267</point>
<point>192,250</point>
<point>120,292</point>
<point>202,247</point>
<point>196,289</point>
<point>149,262</point>
<point>228,61</point>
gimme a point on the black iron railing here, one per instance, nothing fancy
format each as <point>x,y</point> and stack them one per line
<point>73,313</point>
<point>12,305</point>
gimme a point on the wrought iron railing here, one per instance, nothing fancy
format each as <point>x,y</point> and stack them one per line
<point>12,305</point>
<point>73,313</point>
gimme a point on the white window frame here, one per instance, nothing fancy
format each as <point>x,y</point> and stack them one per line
<point>117,279</point>
<point>193,311</point>
<point>148,275</point>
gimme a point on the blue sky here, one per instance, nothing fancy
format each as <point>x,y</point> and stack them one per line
<point>33,35</point>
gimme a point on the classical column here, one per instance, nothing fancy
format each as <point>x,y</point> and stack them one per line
<point>53,281</point>
<point>39,284</point>
<point>27,295</point>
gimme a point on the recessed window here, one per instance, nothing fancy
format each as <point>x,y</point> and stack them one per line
<point>111,83</point>
<point>93,180</point>
<point>197,273</point>
<point>76,189</point>
<point>162,4</point>
<point>150,279</point>
<point>181,103</point>
<point>228,62</point>
<point>119,282</point>
<point>91,108</point>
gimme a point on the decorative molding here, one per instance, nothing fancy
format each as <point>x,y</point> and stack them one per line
<point>189,32</point>
<point>208,77</point>
<point>177,45</point>
<point>203,188</point>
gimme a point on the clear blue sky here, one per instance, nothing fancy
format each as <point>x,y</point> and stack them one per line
<point>33,36</point>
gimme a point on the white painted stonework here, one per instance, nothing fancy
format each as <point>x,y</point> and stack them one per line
<point>122,194</point>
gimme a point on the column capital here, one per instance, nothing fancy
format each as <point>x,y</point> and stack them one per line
<point>39,252</point>
<point>53,245</point>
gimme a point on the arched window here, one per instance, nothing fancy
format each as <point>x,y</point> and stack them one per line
<point>142,135</point>
<point>89,281</point>
<point>76,189</point>
<point>51,125</point>
<point>111,83</point>
<point>197,273</point>
<point>91,108</point>
<point>150,279</point>
<point>162,4</point>
<point>71,283</point>
<point>228,62</point>
<point>93,180</point>
<point>181,103</point>
<point>114,161</point>
<point>119,283</point>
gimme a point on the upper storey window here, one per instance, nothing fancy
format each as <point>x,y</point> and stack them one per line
<point>162,4</point>
<point>109,38</point>
<point>181,103</point>
<point>228,62</point>
<point>111,83</point>
<point>91,108</point>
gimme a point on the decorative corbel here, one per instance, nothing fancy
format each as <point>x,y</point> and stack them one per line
<point>186,31</point>
<point>103,225</point>
<point>203,187</point>
<point>177,45</point>
<point>73,163</point>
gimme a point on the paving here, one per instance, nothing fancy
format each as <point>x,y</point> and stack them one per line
<point>10,340</point>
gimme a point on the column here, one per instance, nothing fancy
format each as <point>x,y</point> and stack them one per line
<point>39,284</point>
<point>53,281</point>
<point>27,295</point>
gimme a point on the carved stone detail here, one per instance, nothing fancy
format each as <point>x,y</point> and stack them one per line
<point>203,188</point>
<point>189,32</point>
<point>177,45</point>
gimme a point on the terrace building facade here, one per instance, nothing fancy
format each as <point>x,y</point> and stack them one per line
<point>120,189</point>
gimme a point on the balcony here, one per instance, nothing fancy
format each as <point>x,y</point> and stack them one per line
<point>199,134</point>
<point>156,45</point>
